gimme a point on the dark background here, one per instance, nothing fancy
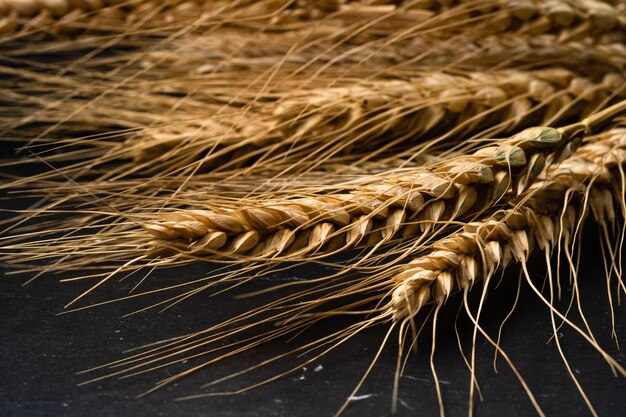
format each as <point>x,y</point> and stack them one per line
<point>41,353</point>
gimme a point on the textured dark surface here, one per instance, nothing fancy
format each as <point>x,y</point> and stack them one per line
<point>41,353</point>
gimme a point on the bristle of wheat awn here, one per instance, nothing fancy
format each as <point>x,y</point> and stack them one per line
<point>544,217</point>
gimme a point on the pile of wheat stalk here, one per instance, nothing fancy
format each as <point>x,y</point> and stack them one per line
<point>413,148</point>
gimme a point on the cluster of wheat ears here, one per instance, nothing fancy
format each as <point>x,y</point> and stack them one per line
<point>415,148</point>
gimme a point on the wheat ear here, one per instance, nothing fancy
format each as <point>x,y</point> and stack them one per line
<point>325,123</point>
<point>374,214</point>
<point>544,216</point>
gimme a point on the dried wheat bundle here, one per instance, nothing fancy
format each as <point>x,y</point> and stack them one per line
<point>546,217</point>
<point>263,135</point>
<point>410,204</point>
<point>234,156</point>
<point>376,212</point>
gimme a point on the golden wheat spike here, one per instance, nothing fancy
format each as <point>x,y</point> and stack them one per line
<point>411,204</point>
<point>356,122</point>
